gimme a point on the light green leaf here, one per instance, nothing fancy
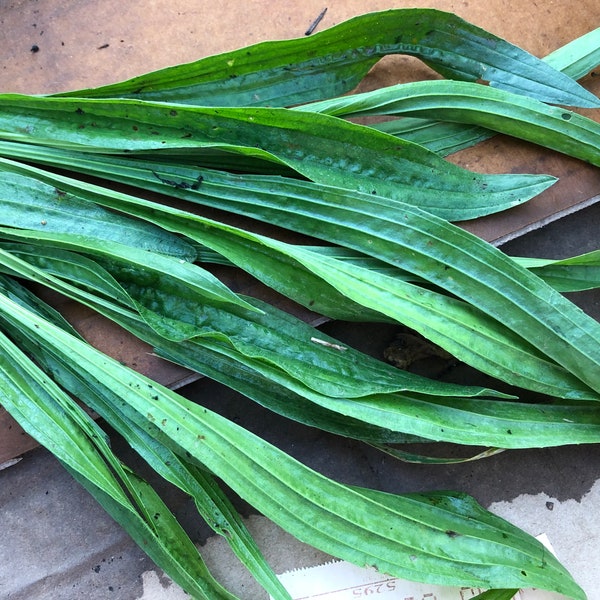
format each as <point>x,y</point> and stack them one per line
<point>58,423</point>
<point>472,104</point>
<point>573,274</point>
<point>401,536</point>
<point>376,418</point>
<point>263,335</point>
<point>213,505</point>
<point>578,57</point>
<point>52,209</point>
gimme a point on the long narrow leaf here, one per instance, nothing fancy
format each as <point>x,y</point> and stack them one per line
<point>212,504</point>
<point>333,61</point>
<point>472,104</point>
<point>51,209</point>
<point>219,189</point>
<point>221,367</point>
<point>79,224</point>
<point>481,275</point>
<point>439,137</point>
<point>396,534</point>
<point>573,274</point>
<point>176,556</point>
<point>319,147</point>
<point>576,59</point>
<point>267,335</point>
<point>45,412</point>
<point>385,238</point>
<point>425,245</point>
<point>377,419</point>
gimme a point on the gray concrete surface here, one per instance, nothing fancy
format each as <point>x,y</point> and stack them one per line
<point>57,544</point>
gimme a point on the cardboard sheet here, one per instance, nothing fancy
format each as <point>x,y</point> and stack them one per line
<point>50,46</point>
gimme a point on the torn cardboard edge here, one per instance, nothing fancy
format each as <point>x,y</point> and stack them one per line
<point>565,212</point>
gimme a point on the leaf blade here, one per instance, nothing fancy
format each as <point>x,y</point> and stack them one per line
<point>319,147</point>
<point>271,478</point>
<point>333,61</point>
<point>471,104</point>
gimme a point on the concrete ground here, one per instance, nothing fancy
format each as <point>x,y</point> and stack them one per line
<point>57,544</point>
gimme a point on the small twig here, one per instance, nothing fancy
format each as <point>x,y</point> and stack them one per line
<point>328,344</point>
<point>316,22</point>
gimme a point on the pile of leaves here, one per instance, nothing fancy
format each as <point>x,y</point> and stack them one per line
<point>266,133</point>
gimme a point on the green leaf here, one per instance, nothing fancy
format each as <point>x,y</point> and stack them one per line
<point>52,209</point>
<point>170,549</point>
<point>401,536</point>
<point>472,104</point>
<point>391,237</point>
<point>412,240</point>
<point>573,274</point>
<point>213,505</point>
<point>441,138</point>
<point>578,57</point>
<point>321,148</point>
<point>575,59</point>
<point>70,222</point>
<point>497,595</point>
<point>58,423</point>
<point>377,418</point>
<point>225,368</point>
<point>333,61</point>
<point>437,251</point>
<point>263,335</point>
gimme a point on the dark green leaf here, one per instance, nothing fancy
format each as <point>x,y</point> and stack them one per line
<point>407,238</point>
<point>321,148</point>
<point>333,61</point>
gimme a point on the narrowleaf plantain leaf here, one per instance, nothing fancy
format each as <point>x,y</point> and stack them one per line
<point>376,418</point>
<point>321,148</point>
<point>573,274</point>
<point>75,238</point>
<point>331,62</point>
<point>265,334</point>
<point>212,503</point>
<point>52,209</point>
<point>58,423</point>
<point>397,535</point>
<point>461,102</point>
<point>386,239</point>
<point>576,59</point>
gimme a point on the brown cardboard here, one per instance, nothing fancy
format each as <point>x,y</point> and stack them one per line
<point>85,44</point>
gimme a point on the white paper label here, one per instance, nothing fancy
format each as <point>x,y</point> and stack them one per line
<point>340,580</point>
